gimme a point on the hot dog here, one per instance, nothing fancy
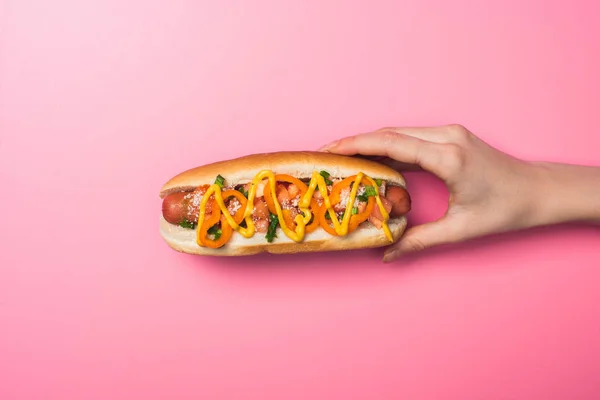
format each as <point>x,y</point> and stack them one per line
<point>284,202</point>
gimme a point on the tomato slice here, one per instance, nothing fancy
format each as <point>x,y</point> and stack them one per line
<point>226,232</point>
<point>289,222</point>
<point>357,219</point>
<point>324,222</point>
<point>302,188</point>
<point>217,217</point>
<point>209,223</point>
<point>282,178</point>
<point>334,198</point>
<point>238,217</point>
<point>311,226</point>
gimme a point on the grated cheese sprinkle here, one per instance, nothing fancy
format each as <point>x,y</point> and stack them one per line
<point>234,206</point>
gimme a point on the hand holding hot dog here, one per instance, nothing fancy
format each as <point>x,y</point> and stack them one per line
<point>490,191</point>
<point>284,202</point>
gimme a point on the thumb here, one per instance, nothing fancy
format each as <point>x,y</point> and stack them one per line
<point>418,238</point>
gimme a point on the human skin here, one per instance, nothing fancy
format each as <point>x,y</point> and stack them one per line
<point>490,191</point>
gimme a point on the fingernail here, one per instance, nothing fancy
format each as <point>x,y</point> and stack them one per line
<point>329,146</point>
<point>390,256</point>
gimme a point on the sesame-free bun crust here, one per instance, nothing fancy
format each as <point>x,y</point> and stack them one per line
<point>366,236</point>
<point>300,164</point>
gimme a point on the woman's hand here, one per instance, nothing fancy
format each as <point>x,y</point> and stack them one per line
<point>490,191</point>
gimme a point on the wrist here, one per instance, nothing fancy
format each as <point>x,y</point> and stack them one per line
<point>565,193</point>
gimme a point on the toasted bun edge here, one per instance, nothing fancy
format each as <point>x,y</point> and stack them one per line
<point>299,164</point>
<point>366,236</point>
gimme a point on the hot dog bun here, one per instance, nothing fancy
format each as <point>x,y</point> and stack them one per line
<point>184,240</point>
<point>300,165</point>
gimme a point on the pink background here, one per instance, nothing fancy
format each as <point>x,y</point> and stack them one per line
<point>103,101</point>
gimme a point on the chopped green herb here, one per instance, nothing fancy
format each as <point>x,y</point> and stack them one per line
<point>216,231</point>
<point>326,176</point>
<point>378,182</point>
<point>242,191</point>
<point>272,231</point>
<point>369,191</point>
<point>220,181</point>
<point>187,224</point>
<point>328,216</point>
<point>354,210</point>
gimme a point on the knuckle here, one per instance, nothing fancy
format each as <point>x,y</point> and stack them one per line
<point>458,133</point>
<point>389,136</point>
<point>414,244</point>
<point>455,157</point>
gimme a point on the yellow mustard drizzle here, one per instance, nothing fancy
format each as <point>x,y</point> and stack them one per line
<point>304,204</point>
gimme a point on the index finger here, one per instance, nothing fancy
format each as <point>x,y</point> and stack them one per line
<point>397,165</point>
<point>403,148</point>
